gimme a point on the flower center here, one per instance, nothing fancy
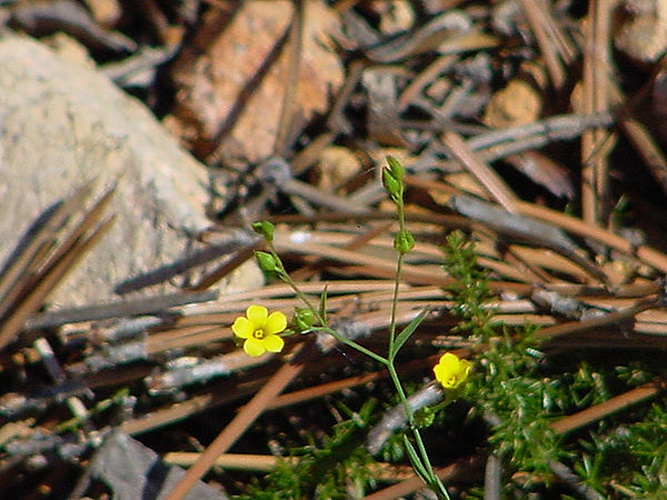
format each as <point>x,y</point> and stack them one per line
<point>258,334</point>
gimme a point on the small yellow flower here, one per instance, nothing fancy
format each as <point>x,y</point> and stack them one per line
<point>260,330</point>
<point>451,371</point>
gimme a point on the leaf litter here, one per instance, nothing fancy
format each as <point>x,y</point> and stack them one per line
<point>516,123</point>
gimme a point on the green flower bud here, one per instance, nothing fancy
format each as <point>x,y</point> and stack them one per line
<point>266,262</point>
<point>397,170</point>
<point>304,319</point>
<point>404,242</point>
<point>265,229</point>
<point>391,184</point>
<point>424,417</point>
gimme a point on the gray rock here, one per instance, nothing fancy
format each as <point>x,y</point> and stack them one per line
<point>62,124</point>
<point>133,471</point>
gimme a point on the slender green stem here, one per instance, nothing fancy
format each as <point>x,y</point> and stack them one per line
<point>426,462</point>
<point>403,243</point>
<point>284,275</point>
<point>353,344</point>
<point>399,268</point>
<point>433,481</point>
<point>399,389</point>
<point>394,308</point>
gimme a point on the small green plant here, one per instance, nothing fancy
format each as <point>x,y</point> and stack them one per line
<point>513,387</point>
<point>470,290</point>
<point>519,393</point>
<point>647,443</point>
<point>508,388</point>
<point>254,328</point>
<point>521,402</point>
<point>338,467</point>
<point>75,423</point>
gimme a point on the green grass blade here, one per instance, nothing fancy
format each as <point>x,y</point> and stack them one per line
<point>405,334</point>
<point>323,306</point>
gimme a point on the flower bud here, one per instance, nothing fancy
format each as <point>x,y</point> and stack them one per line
<point>266,262</point>
<point>424,417</point>
<point>265,229</point>
<point>404,242</point>
<point>304,319</point>
<point>391,184</point>
<point>397,170</point>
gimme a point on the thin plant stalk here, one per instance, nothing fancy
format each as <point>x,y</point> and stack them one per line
<point>403,242</point>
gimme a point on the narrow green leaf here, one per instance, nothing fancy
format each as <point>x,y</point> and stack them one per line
<point>424,474</point>
<point>441,487</point>
<point>403,337</point>
<point>415,460</point>
<point>323,305</point>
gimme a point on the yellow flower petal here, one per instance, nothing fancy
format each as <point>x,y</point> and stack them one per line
<point>451,371</point>
<point>275,323</point>
<point>273,343</point>
<point>443,376</point>
<point>254,347</point>
<point>449,361</point>
<point>243,327</point>
<point>465,367</point>
<point>258,315</point>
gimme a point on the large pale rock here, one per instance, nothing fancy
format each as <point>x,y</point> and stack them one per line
<point>62,124</point>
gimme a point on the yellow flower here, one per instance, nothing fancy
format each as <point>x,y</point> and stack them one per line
<point>260,330</point>
<point>451,371</point>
